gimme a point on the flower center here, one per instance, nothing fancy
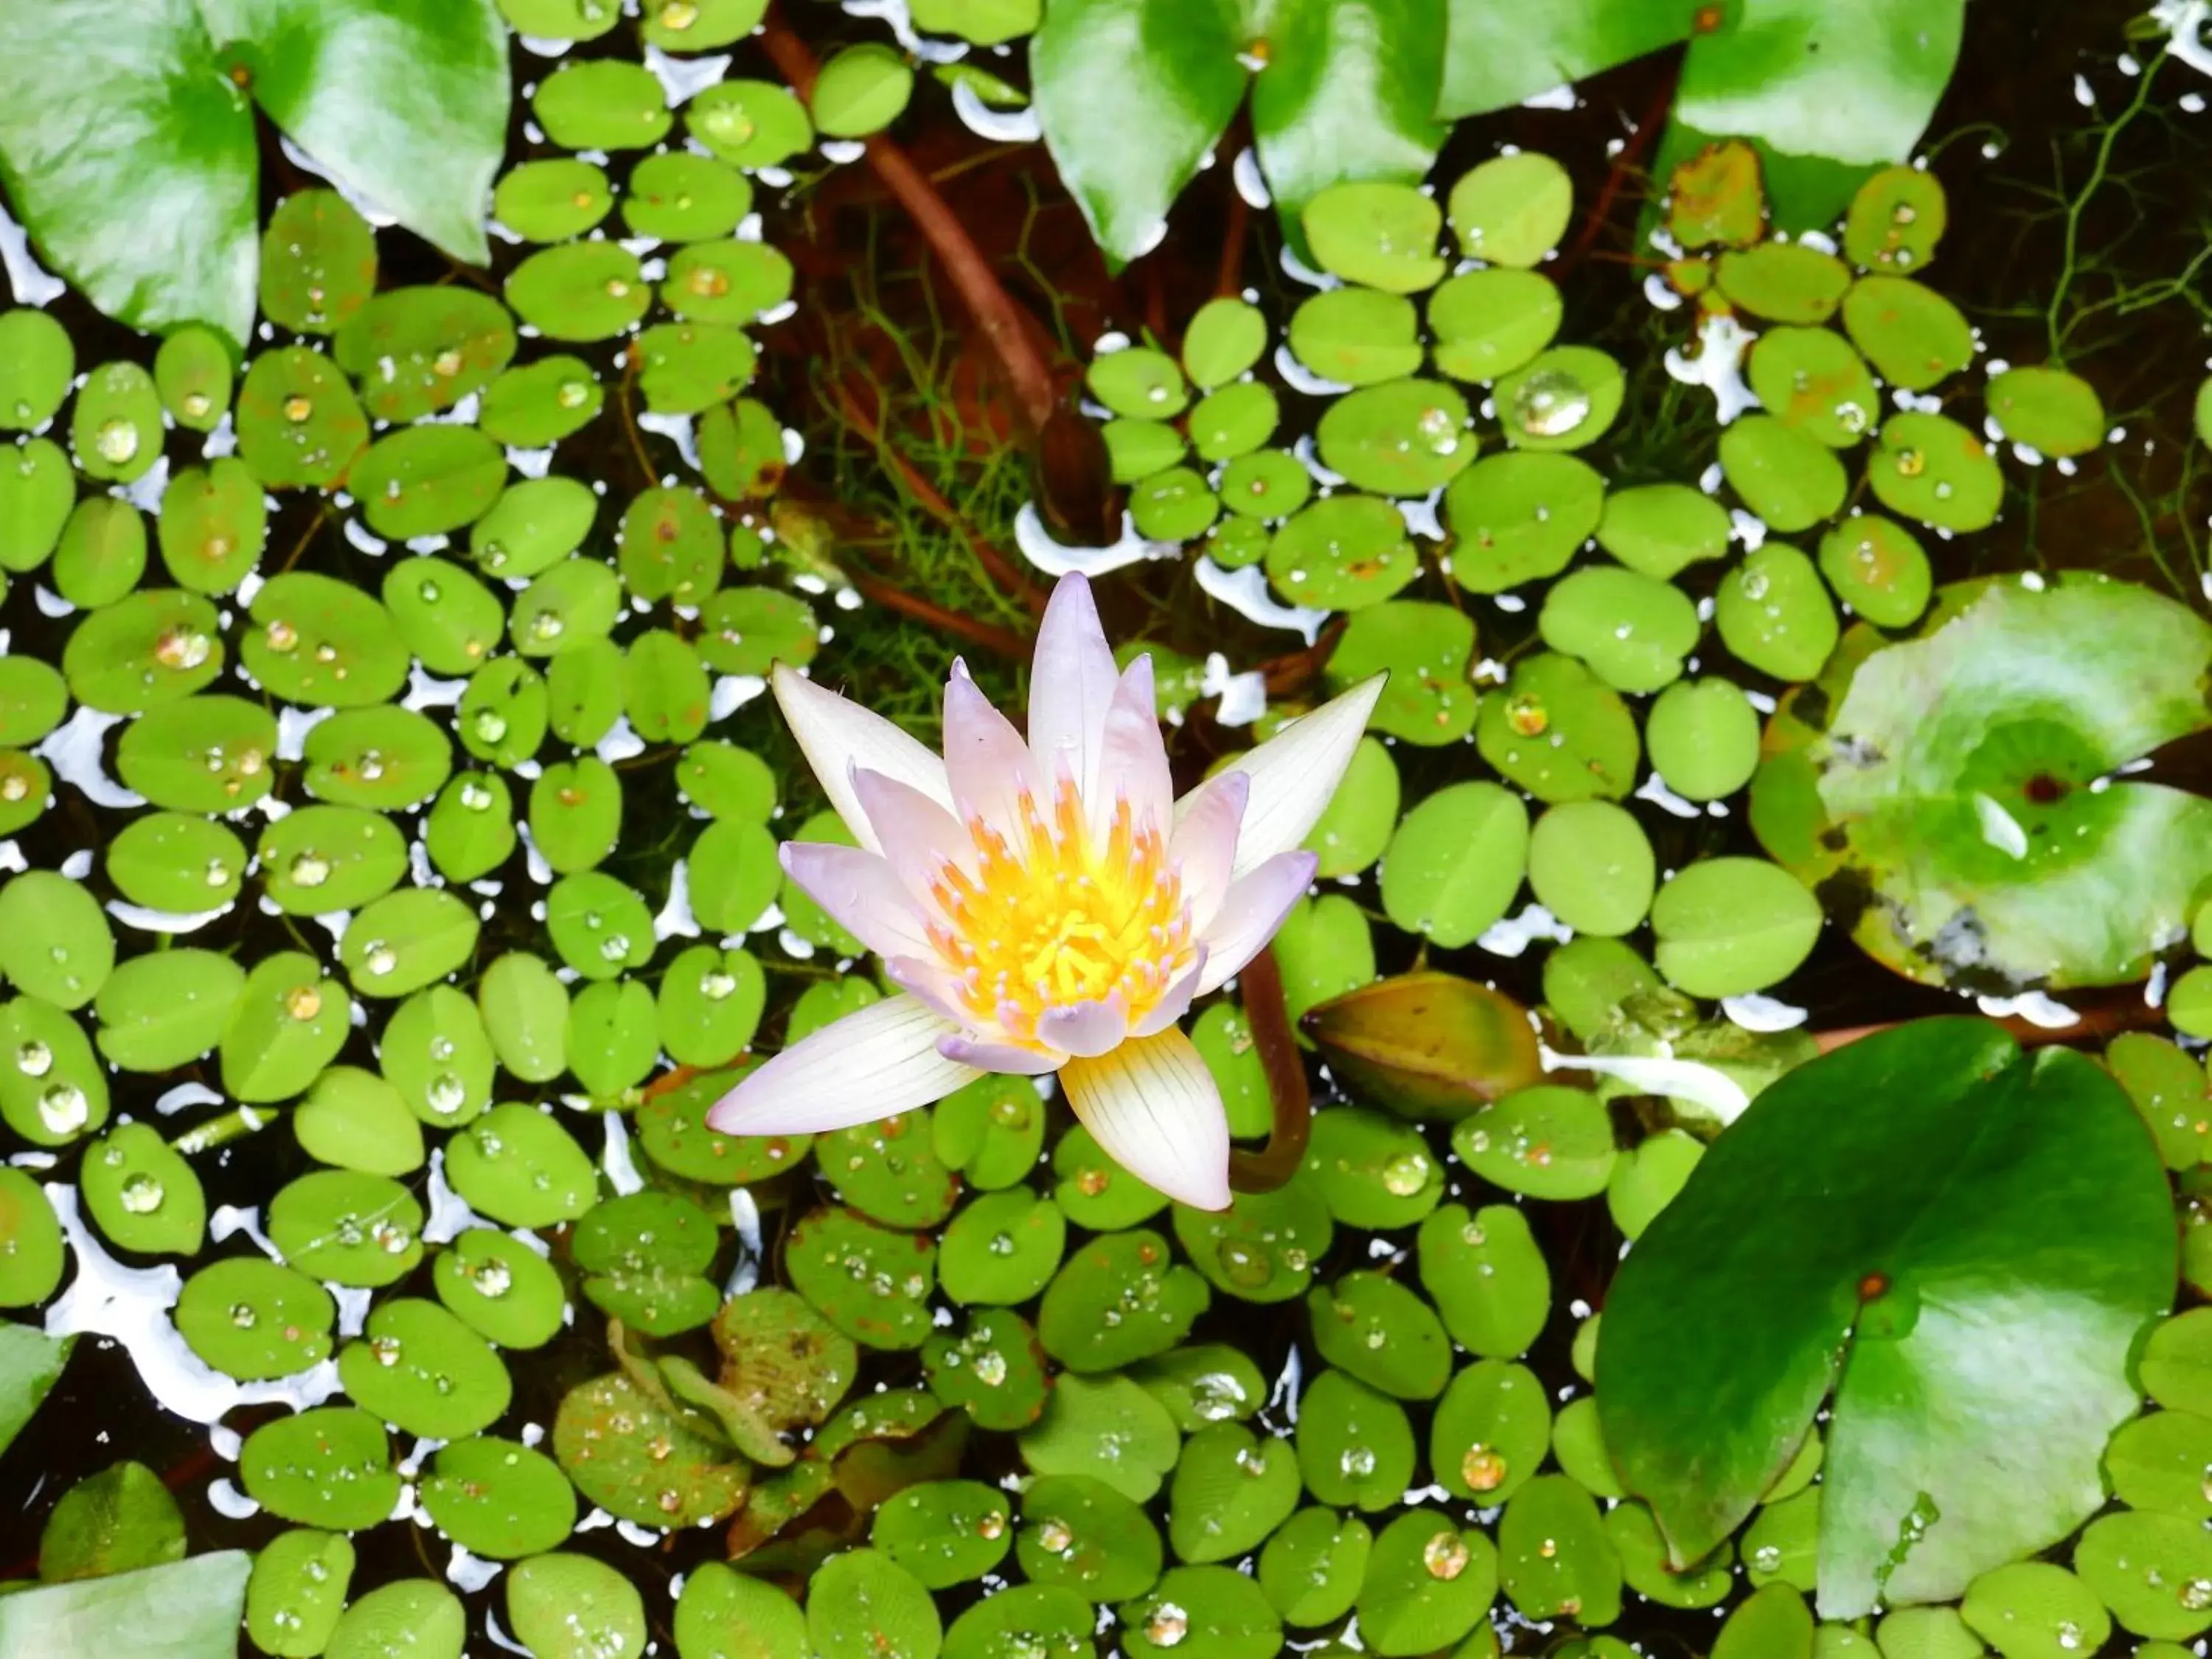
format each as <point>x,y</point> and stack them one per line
<point>1062,919</point>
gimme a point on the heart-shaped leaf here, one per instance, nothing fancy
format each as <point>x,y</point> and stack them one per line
<point>1961,1240</point>
<point>1960,784</point>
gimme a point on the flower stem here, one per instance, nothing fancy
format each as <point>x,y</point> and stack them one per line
<point>1274,1163</point>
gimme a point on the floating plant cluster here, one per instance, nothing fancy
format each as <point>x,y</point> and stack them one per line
<point>394,885</point>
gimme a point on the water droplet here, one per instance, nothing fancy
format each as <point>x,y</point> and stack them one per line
<point>1445,1556</point>
<point>304,1002</point>
<point>35,1059</point>
<point>281,636</point>
<point>63,1108</point>
<point>491,1277</point>
<point>181,648</point>
<point>242,1317</point>
<point>308,869</point>
<point>487,726</point>
<point>297,409</point>
<point>1483,1469</point>
<point>196,404</point>
<point>572,394</point>
<point>142,1193</point>
<point>716,985</point>
<point>117,441</point>
<point>1243,1265</point>
<point>1406,1175</point>
<point>379,958</point>
<point>1357,1461</point>
<point>447,1094</point>
<point>1551,403</point>
<point>1911,464</point>
<point>1166,1626</point>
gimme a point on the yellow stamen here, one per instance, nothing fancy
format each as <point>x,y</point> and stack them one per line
<point>1063,918</point>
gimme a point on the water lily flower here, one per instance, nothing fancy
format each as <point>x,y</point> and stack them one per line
<point>1048,905</point>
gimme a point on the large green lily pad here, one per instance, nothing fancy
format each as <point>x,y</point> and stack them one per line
<point>1963,1242</point>
<point>1957,784</point>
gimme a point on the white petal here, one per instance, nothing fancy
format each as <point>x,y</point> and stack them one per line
<point>862,892</point>
<point>837,734</point>
<point>868,1064</point>
<point>1175,1003</point>
<point>931,981</point>
<point>919,838</point>
<point>1250,914</point>
<point>1132,764</point>
<point>999,1057</point>
<point>1086,1029</point>
<point>1154,1107</point>
<point>1204,847</point>
<point>1293,775</point>
<point>988,764</point>
<point>1072,682</point>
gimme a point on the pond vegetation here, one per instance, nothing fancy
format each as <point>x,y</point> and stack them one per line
<point>1711,1146</point>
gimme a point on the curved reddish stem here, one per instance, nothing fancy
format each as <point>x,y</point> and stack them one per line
<point>1004,323</point>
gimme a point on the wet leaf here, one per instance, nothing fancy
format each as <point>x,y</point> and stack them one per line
<point>1979,866</point>
<point>297,1592</point>
<point>1131,94</point>
<point>141,1194</point>
<point>329,1468</point>
<point>318,262</point>
<point>422,1370</point>
<point>564,1606</point>
<point>180,1608</point>
<point>175,146</point>
<point>1892,1271</point>
<point>498,1498</point>
<point>251,1319</point>
<point>299,423</point>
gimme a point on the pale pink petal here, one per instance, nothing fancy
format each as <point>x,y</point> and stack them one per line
<point>918,836</point>
<point>1154,1107</point>
<point>988,762</point>
<point>1175,1003</point>
<point>1072,682</point>
<point>868,1064</point>
<point>837,735</point>
<point>1086,1030</point>
<point>861,891</point>
<point>998,1056</point>
<point>1293,775</point>
<point>1203,849</point>
<point>1253,911</point>
<point>1132,764</point>
<point>928,979</point>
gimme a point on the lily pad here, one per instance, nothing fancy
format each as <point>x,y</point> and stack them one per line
<point>329,1468</point>
<point>1979,818</point>
<point>518,1165</point>
<point>1153,1299</point>
<point>1894,1270</point>
<point>299,422</point>
<point>1520,517</point>
<point>632,1456</point>
<point>415,351</point>
<point>496,1498</point>
<point>142,1193</point>
<point>1512,210</point>
<point>1930,468</point>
